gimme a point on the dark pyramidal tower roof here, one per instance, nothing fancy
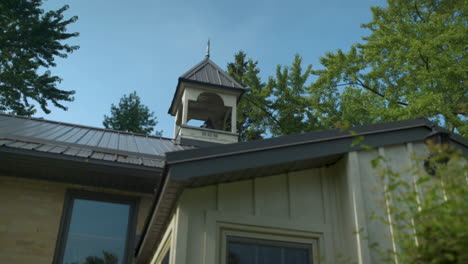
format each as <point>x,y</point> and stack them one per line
<point>208,72</point>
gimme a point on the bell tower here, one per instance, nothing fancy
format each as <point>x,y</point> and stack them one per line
<point>206,93</point>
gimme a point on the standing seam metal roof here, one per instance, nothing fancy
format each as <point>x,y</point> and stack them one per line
<point>208,72</point>
<point>83,141</point>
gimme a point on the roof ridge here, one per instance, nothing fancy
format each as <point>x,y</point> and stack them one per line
<point>40,119</point>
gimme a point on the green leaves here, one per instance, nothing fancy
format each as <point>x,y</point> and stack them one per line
<point>131,116</point>
<point>279,107</point>
<point>412,64</point>
<point>428,212</point>
<point>253,109</point>
<point>30,40</point>
<point>289,104</point>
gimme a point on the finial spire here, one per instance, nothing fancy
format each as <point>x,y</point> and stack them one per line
<point>207,55</point>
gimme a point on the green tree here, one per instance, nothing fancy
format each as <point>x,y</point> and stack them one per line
<point>289,105</point>
<point>253,109</point>
<point>413,63</point>
<point>30,41</point>
<point>278,107</point>
<point>131,116</point>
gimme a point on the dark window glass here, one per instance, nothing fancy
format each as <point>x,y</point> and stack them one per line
<point>259,251</point>
<point>268,254</point>
<point>97,232</point>
<point>166,257</point>
<point>296,256</point>
<point>241,253</point>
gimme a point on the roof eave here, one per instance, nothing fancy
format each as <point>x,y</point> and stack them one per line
<point>78,170</point>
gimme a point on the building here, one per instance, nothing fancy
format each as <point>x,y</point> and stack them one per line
<point>71,193</point>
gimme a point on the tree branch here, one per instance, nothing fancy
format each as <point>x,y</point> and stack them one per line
<point>418,13</point>
<point>266,112</point>
<point>425,60</point>
<point>344,84</point>
<point>377,92</point>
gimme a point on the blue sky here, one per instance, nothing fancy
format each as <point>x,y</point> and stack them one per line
<point>145,45</point>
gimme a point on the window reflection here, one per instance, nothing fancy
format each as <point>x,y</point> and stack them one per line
<point>259,251</point>
<point>97,233</point>
<point>166,257</point>
<point>241,254</point>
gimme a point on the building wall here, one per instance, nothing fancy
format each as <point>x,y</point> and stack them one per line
<point>293,205</point>
<point>30,214</point>
<point>329,207</point>
<point>369,200</point>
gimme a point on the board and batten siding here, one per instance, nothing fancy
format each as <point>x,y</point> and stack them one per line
<point>362,199</point>
<point>292,205</point>
<point>326,206</point>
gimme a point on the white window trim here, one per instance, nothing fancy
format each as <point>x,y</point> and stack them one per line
<point>255,232</point>
<point>163,252</point>
<point>162,249</point>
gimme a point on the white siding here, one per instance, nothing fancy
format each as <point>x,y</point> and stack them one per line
<point>331,204</point>
<point>397,158</point>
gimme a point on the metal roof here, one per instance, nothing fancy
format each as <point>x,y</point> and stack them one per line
<point>315,137</point>
<point>208,72</point>
<point>84,142</point>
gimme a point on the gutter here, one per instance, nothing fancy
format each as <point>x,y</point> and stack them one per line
<point>150,217</point>
<point>279,146</point>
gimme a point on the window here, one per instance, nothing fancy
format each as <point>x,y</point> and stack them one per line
<point>242,250</point>
<point>166,257</point>
<point>96,228</point>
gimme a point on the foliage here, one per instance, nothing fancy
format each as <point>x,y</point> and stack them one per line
<point>413,63</point>
<point>30,40</point>
<point>429,211</point>
<point>289,107</point>
<point>109,258</point>
<point>252,108</point>
<point>131,116</point>
<point>277,107</point>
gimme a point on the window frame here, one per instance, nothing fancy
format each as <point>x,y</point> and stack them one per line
<point>166,257</point>
<point>165,252</point>
<point>71,195</point>
<point>274,238</point>
<point>268,242</point>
